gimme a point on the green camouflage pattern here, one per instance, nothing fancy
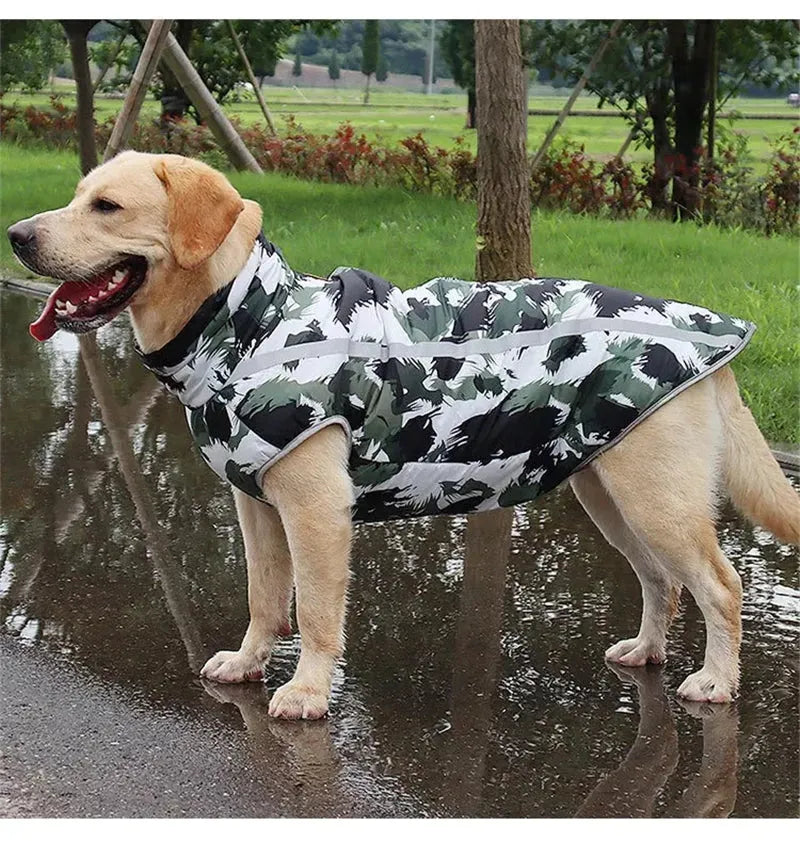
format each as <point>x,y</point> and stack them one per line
<point>456,396</point>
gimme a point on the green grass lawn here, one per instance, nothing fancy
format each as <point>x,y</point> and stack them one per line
<point>393,115</point>
<point>409,238</point>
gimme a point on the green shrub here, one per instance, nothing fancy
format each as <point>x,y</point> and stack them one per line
<point>566,179</point>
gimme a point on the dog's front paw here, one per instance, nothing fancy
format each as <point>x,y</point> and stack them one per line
<point>293,700</point>
<point>233,667</point>
<point>636,652</point>
<point>709,687</point>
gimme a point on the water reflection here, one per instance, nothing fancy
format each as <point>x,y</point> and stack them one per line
<point>631,790</point>
<point>474,682</point>
<point>476,655</point>
<point>117,422</point>
<point>305,748</point>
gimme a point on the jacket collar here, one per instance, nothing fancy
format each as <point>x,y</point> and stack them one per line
<point>186,364</point>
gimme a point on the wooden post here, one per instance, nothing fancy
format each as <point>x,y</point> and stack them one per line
<point>145,67</point>
<point>590,68</point>
<point>628,140</point>
<point>210,112</point>
<point>637,127</point>
<point>251,76</point>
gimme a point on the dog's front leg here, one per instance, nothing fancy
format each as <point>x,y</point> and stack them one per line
<point>269,593</point>
<point>313,493</point>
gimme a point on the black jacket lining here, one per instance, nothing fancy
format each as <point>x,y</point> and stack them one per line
<point>177,348</point>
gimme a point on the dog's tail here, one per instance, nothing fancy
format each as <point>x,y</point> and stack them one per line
<point>755,482</point>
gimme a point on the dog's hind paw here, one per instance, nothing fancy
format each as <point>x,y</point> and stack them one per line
<point>233,667</point>
<point>295,701</point>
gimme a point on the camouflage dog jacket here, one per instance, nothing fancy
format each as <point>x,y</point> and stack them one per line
<point>456,396</point>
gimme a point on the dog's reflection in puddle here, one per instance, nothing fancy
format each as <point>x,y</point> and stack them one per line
<point>631,790</point>
<point>305,747</point>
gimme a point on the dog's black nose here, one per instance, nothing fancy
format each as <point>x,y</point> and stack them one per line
<point>22,236</point>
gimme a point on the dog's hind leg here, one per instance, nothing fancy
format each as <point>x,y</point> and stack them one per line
<point>664,477</point>
<point>660,592</point>
<point>269,593</point>
<point>312,490</point>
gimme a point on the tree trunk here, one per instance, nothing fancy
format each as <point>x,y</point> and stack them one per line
<point>712,92</point>
<point>471,106</point>
<point>504,253</point>
<point>690,75</point>
<point>366,91</point>
<point>174,100</point>
<point>658,106</point>
<point>76,31</point>
<point>504,203</point>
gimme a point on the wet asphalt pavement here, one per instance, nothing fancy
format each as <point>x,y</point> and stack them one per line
<point>474,682</point>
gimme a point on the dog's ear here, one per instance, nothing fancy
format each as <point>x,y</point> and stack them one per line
<point>202,208</point>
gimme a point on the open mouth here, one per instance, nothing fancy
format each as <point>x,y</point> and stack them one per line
<point>83,305</point>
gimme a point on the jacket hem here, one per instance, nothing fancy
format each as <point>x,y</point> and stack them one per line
<point>720,363</point>
<point>339,420</point>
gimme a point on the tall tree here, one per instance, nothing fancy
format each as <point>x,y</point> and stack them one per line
<point>457,44</point>
<point>382,70</point>
<point>333,67</point>
<point>297,67</point>
<point>504,204</point>
<point>690,55</point>
<point>426,71</point>
<point>659,72</point>
<point>31,49</point>
<point>116,53</point>
<point>369,52</point>
<point>257,85</point>
<point>261,46</point>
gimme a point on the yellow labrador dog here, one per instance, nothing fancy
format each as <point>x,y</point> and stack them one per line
<point>161,235</point>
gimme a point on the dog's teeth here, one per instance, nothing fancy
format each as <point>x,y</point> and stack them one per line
<point>110,285</point>
<point>92,298</point>
<point>60,305</point>
<point>119,275</point>
<point>71,307</point>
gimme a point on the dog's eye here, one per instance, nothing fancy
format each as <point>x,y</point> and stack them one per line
<point>105,206</point>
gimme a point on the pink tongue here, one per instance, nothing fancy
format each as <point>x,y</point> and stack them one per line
<point>74,293</point>
<point>45,325</point>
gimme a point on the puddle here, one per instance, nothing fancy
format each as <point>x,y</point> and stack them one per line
<point>474,683</point>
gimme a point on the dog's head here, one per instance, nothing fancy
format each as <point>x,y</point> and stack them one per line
<point>139,229</point>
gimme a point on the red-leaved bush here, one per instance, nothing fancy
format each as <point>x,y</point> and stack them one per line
<point>567,178</point>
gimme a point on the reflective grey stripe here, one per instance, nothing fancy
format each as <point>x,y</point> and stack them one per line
<point>526,338</point>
